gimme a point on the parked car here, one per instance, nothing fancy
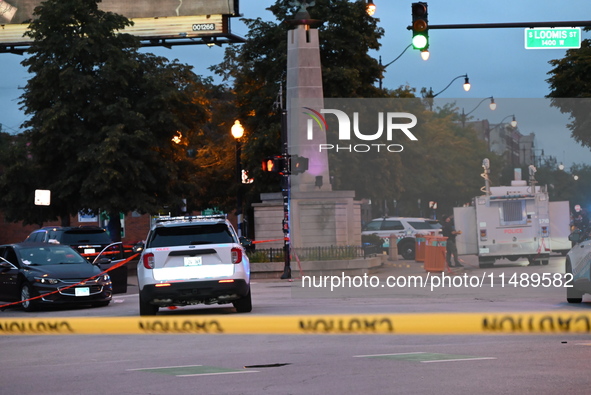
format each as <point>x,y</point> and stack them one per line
<point>193,260</point>
<point>41,273</point>
<point>404,228</point>
<point>578,267</point>
<point>93,243</point>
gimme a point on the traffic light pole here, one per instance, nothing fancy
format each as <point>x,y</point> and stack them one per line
<point>285,192</point>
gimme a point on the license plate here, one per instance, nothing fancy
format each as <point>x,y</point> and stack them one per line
<point>82,291</point>
<point>193,261</point>
<point>89,250</point>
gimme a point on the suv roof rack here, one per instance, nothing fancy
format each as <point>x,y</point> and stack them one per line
<point>191,218</point>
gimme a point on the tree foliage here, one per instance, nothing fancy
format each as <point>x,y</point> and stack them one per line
<point>571,79</point>
<point>102,120</point>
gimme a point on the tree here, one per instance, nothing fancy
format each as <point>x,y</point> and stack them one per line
<point>571,79</point>
<point>102,119</point>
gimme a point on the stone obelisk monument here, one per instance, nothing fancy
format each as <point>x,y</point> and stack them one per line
<point>304,96</point>
<point>318,215</point>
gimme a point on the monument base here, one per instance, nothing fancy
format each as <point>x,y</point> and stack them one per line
<point>317,219</point>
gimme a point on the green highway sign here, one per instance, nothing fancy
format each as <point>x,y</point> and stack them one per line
<point>551,38</point>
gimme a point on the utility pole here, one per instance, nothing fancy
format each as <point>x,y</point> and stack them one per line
<point>285,191</point>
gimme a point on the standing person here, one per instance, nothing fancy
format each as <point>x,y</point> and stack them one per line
<point>580,218</point>
<point>448,230</point>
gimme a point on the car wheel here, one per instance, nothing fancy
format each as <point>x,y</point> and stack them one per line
<point>244,304</point>
<point>407,250</point>
<point>484,263</point>
<point>533,262</point>
<point>26,294</point>
<point>572,295</point>
<point>147,308</point>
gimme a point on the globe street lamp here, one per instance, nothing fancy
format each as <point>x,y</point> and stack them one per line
<point>370,8</point>
<point>238,131</point>
<point>430,96</point>
<point>492,106</point>
<point>466,85</point>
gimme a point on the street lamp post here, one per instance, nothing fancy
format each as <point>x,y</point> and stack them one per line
<point>513,124</point>
<point>430,96</point>
<point>539,158</point>
<point>238,131</point>
<point>383,67</point>
<point>466,85</point>
<point>492,106</point>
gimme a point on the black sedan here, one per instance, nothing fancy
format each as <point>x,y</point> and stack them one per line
<point>34,274</point>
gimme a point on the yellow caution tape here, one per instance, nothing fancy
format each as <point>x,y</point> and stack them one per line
<point>379,324</point>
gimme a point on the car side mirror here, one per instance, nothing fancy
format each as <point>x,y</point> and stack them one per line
<point>247,243</point>
<point>139,247</point>
<point>102,261</point>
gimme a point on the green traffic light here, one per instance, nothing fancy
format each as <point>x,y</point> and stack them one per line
<point>419,41</point>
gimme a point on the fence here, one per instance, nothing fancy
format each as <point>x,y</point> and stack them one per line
<point>315,253</point>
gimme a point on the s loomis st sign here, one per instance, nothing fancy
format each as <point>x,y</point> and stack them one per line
<point>392,125</point>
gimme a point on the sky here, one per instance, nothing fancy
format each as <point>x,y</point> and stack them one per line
<point>495,60</point>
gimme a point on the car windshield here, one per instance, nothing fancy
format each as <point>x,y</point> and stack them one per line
<point>435,224</point>
<point>373,225</point>
<point>421,225</point>
<point>39,256</point>
<point>98,236</point>
<point>190,235</point>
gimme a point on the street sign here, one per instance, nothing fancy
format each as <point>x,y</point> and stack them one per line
<point>552,38</point>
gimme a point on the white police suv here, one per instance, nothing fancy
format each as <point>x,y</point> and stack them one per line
<point>578,267</point>
<point>193,260</point>
<point>404,228</point>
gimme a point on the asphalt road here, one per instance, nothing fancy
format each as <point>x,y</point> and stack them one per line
<point>310,364</point>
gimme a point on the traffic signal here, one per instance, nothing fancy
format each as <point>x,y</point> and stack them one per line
<point>420,26</point>
<point>275,164</point>
<point>299,164</point>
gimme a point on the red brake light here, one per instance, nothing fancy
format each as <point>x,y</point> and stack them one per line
<point>148,260</point>
<point>236,255</point>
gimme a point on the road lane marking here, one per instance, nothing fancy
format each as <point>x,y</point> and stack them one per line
<point>192,370</point>
<point>426,357</point>
<point>459,359</point>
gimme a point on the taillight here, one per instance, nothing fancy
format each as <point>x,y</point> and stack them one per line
<point>148,261</point>
<point>236,255</point>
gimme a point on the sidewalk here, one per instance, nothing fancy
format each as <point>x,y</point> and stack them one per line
<point>387,267</point>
